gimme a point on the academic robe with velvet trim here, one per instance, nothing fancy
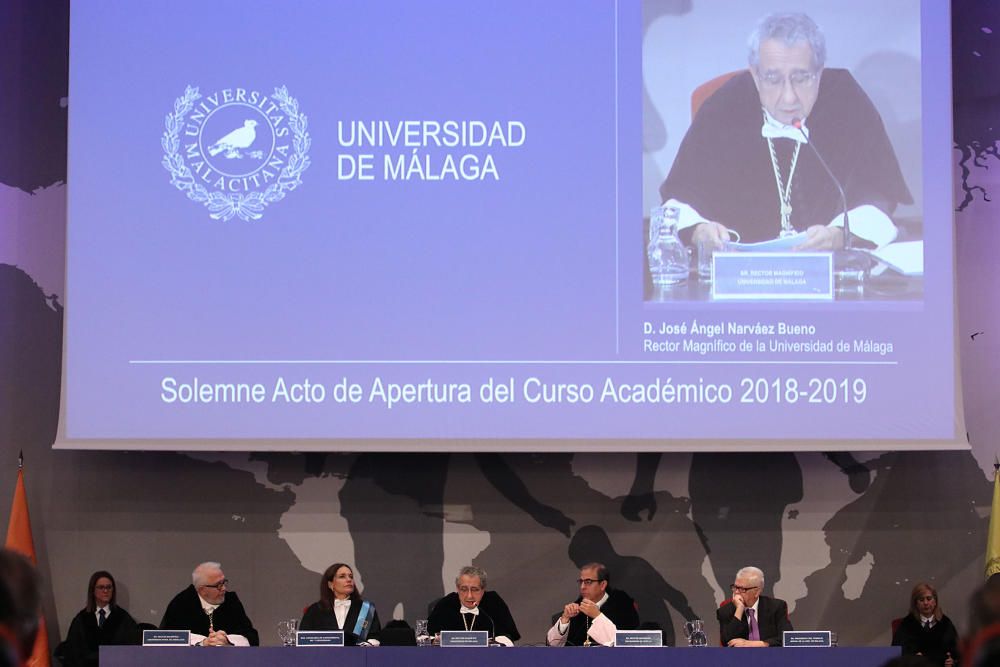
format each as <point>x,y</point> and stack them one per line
<point>620,610</point>
<point>185,613</point>
<point>494,616</point>
<point>772,621</point>
<point>723,166</point>
<point>318,617</point>
<point>84,638</point>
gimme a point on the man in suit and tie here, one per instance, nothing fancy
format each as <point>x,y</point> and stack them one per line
<point>749,618</point>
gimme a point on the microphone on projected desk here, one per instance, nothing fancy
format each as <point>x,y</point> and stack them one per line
<point>848,263</point>
<point>493,632</point>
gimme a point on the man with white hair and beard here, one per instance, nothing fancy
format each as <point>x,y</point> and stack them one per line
<point>214,615</point>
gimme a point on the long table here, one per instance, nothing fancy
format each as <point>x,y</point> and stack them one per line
<point>391,656</point>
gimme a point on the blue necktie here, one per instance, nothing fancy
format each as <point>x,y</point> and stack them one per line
<point>100,618</point>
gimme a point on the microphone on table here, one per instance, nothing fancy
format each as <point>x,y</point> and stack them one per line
<point>846,261</point>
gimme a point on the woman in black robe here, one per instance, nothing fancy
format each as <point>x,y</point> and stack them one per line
<point>102,622</point>
<point>339,607</point>
<point>926,630</point>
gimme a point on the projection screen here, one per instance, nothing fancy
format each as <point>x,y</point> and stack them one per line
<point>435,226</point>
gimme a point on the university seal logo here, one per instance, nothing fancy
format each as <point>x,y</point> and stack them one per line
<point>236,150</point>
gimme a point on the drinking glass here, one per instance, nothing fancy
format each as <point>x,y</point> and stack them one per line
<point>421,629</point>
<point>695,632</point>
<point>286,631</point>
<point>704,253</point>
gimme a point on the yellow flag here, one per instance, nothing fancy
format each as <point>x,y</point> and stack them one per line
<point>993,539</point>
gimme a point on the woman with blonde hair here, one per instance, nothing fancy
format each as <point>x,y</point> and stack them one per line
<point>926,630</point>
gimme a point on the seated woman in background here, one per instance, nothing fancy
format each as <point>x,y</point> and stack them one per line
<point>341,607</point>
<point>925,630</point>
<point>102,622</point>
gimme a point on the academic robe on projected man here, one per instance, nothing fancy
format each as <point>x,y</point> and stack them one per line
<point>772,621</point>
<point>723,170</point>
<point>493,616</point>
<point>186,612</point>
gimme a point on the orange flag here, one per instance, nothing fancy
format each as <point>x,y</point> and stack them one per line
<point>19,539</point>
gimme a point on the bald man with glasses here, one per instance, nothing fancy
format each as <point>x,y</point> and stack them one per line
<point>214,614</point>
<point>750,619</point>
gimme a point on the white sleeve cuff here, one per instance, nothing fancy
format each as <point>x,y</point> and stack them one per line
<point>870,223</point>
<point>556,636</point>
<point>687,215</point>
<point>602,630</point>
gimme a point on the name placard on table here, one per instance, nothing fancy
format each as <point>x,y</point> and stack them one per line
<point>166,637</point>
<point>749,276</point>
<point>638,638</point>
<point>321,638</point>
<point>806,638</point>
<point>465,638</point>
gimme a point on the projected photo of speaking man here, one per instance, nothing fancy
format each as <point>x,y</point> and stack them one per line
<point>749,168</point>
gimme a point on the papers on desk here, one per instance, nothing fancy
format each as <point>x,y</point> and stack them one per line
<point>780,244</point>
<point>906,258</point>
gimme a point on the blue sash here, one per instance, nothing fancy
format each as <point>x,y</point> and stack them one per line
<point>364,621</point>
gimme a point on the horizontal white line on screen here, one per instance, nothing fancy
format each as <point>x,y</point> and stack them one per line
<point>503,362</point>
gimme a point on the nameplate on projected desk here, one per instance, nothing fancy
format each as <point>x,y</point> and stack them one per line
<point>806,638</point>
<point>166,637</point>
<point>638,638</point>
<point>749,276</point>
<point>454,638</point>
<point>321,638</point>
